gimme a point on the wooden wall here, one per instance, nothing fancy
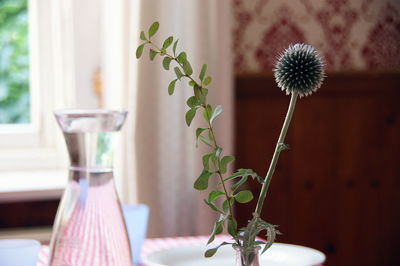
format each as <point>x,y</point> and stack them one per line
<point>14,215</point>
<point>338,188</point>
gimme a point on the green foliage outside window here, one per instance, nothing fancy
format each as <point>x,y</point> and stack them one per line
<point>14,62</point>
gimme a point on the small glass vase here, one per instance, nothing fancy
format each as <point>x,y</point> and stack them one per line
<point>89,228</point>
<point>247,256</point>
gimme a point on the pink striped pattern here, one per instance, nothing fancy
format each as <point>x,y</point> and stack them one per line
<point>43,256</point>
<point>95,233</point>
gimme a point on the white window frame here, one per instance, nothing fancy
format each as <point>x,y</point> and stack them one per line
<point>33,162</point>
<point>35,154</point>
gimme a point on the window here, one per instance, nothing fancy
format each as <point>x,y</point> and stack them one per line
<point>36,77</point>
<point>14,62</point>
<point>67,40</point>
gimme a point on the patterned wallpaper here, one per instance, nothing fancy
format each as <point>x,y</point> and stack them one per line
<point>352,35</point>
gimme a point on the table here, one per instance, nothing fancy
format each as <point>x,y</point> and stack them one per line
<point>151,245</point>
<point>154,244</point>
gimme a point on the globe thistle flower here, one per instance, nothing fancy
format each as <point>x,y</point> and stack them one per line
<point>299,69</point>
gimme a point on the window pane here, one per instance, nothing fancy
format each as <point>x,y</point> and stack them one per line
<point>14,62</point>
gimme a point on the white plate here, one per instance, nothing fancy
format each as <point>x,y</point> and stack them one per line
<point>278,255</point>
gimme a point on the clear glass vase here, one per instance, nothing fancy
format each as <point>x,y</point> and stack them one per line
<point>247,256</point>
<point>89,228</point>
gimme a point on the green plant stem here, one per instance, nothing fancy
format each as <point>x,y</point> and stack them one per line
<point>219,172</point>
<point>278,149</point>
<point>227,196</point>
<point>213,138</point>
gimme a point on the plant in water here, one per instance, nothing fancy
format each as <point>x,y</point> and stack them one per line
<point>298,71</point>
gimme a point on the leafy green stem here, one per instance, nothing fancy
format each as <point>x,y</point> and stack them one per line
<point>228,197</point>
<point>211,130</point>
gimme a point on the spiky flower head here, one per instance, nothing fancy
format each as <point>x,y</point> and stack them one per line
<point>299,69</point>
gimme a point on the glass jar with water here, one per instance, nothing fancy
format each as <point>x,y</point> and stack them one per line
<point>89,228</point>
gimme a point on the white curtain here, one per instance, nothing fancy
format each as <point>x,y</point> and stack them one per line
<point>162,163</point>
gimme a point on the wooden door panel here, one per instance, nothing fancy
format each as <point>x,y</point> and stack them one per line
<point>337,188</point>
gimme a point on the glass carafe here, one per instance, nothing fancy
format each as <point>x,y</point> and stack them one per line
<point>89,228</point>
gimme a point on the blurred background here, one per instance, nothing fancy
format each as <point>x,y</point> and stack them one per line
<point>335,190</point>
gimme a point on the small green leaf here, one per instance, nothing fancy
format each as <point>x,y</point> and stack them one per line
<point>212,237</point>
<point>181,57</point>
<point>224,163</point>
<point>203,72</point>
<point>205,141</point>
<point>143,36</point>
<point>198,134</point>
<point>192,83</point>
<point>178,73</point>
<point>225,206</point>
<point>239,183</point>
<point>171,87</point>
<point>212,206</point>
<point>187,68</point>
<point>207,113</point>
<point>232,227</point>
<point>207,81</point>
<point>166,62</point>
<point>192,102</point>
<point>214,194</point>
<point>199,131</point>
<point>201,182</point>
<point>211,252</point>
<point>168,42</point>
<point>152,54</point>
<point>206,160</point>
<point>216,230</point>
<point>153,29</point>
<point>217,112</point>
<point>244,196</point>
<point>197,92</point>
<point>189,116</point>
<point>174,47</point>
<point>139,51</point>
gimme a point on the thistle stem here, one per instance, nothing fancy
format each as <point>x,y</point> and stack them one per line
<point>279,147</point>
